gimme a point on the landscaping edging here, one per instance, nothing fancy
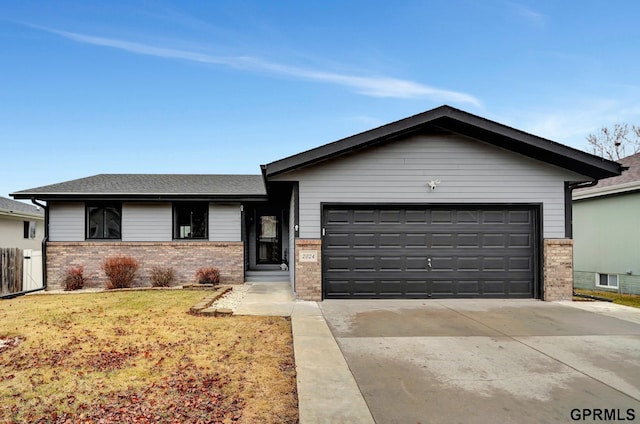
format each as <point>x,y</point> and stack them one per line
<point>204,306</point>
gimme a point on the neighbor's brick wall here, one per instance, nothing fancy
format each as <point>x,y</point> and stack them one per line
<point>184,257</point>
<point>558,269</point>
<point>308,274</point>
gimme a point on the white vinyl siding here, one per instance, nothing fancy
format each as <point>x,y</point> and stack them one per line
<point>146,222</point>
<point>225,222</point>
<point>398,172</point>
<point>66,221</point>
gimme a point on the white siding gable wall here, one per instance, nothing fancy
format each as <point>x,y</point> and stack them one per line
<point>146,222</point>
<point>66,221</point>
<point>469,172</point>
<point>225,222</point>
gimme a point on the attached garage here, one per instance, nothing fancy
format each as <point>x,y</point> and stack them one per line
<point>417,251</point>
<point>443,204</point>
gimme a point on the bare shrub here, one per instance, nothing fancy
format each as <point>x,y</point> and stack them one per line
<point>121,270</point>
<point>209,275</point>
<point>74,278</point>
<point>162,276</point>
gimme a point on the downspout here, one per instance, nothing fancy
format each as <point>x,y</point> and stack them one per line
<point>44,241</point>
<point>568,204</point>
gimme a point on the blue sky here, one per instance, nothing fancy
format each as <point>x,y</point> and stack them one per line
<point>90,87</point>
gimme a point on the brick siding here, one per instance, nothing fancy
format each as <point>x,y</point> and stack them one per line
<point>308,274</point>
<point>558,269</point>
<point>184,257</point>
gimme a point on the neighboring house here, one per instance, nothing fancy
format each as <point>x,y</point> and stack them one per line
<point>606,222</point>
<point>21,225</point>
<point>440,204</point>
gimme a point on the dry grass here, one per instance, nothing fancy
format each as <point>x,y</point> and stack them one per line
<point>622,299</point>
<point>140,357</point>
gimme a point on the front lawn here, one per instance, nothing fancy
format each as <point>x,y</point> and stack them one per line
<point>138,356</point>
<point>622,299</point>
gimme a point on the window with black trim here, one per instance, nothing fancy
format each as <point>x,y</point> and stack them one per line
<point>104,221</point>
<point>190,220</point>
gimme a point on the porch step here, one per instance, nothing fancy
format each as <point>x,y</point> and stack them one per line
<point>253,276</point>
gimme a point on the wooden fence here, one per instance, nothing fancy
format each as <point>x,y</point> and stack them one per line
<point>11,263</point>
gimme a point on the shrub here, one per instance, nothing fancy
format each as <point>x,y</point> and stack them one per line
<point>162,277</point>
<point>208,275</point>
<point>74,278</point>
<point>121,271</point>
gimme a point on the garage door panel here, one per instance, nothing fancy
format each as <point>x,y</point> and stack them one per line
<point>378,252</point>
<point>442,287</point>
<point>392,240</point>
<point>493,217</point>
<point>338,241</point>
<point>471,240</point>
<point>337,216</point>
<point>442,240</point>
<point>520,240</point>
<point>364,216</point>
<point>391,263</point>
<point>441,217</point>
<point>416,240</point>
<point>467,217</point>
<point>519,217</point>
<point>416,216</point>
<point>391,216</point>
<point>523,263</point>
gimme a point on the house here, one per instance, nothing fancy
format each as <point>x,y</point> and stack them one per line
<point>440,204</point>
<point>606,222</point>
<point>21,225</point>
<point>21,234</point>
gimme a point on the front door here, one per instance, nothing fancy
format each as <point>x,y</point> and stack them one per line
<point>268,238</point>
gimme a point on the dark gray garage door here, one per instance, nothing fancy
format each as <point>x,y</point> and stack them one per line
<point>423,252</point>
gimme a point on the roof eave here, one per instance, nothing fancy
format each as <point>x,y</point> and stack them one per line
<point>140,197</point>
<point>625,188</point>
<point>21,214</point>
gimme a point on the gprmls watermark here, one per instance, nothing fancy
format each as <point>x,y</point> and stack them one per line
<point>606,414</point>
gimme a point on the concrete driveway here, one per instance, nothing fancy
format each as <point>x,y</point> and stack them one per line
<point>482,361</point>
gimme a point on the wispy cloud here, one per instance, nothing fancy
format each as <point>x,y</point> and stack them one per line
<point>374,86</point>
<point>530,15</point>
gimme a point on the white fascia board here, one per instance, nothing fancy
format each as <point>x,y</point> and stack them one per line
<point>606,191</point>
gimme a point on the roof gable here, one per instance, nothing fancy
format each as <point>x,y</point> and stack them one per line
<point>451,120</point>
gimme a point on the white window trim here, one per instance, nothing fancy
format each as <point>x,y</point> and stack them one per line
<point>598,274</point>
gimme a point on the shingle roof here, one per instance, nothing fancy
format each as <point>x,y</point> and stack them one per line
<point>628,181</point>
<point>11,206</point>
<point>152,185</point>
<point>452,120</point>
<point>628,176</point>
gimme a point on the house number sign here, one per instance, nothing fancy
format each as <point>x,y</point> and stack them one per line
<point>308,256</point>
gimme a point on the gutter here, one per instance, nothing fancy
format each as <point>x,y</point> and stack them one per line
<point>583,184</point>
<point>44,243</point>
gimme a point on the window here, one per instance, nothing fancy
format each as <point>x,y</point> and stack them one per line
<point>190,220</point>
<point>29,229</point>
<point>607,280</point>
<point>104,221</point>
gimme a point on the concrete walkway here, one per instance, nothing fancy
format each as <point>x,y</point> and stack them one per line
<point>327,391</point>
<point>272,299</point>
